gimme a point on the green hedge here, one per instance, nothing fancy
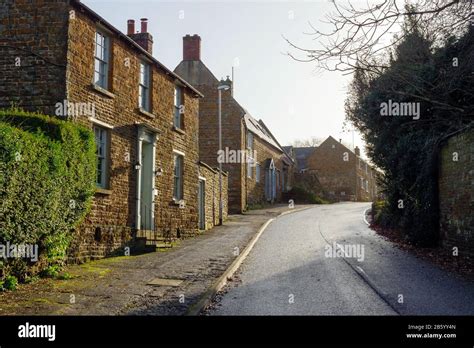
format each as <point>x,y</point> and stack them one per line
<point>379,212</point>
<point>302,195</point>
<point>47,180</point>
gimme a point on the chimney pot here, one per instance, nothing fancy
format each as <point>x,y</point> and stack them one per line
<point>130,27</point>
<point>144,25</point>
<point>144,39</point>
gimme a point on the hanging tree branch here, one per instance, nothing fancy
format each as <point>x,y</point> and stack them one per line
<point>361,36</point>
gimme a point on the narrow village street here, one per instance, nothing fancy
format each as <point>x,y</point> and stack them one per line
<point>289,272</point>
<point>296,267</point>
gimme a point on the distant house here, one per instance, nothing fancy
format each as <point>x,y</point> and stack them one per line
<point>259,169</point>
<point>341,172</point>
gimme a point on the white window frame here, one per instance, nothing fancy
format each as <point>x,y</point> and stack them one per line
<point>258,173</point>
<point>101,60</point>
<point>178,175</point>
<point>249,141</point>
<point>102,139</point>
<point>100,123</point>
<point>144,84</point>
<point>249,167</point>
<point>178,107</point>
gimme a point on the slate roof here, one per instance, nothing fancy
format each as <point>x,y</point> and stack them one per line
<point>259,129</point>
<point>287,149</point>
<point>301,155</point>
<point>197,73</point>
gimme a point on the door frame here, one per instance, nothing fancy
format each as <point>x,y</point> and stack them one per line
<point>270,181</point>
<point>202,203</point>
<point>145,135</point>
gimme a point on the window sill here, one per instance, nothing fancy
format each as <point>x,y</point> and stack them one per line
<point>102,91</point>
<point>146,113</point>
<point>102,191</point>
<point>179,130</point>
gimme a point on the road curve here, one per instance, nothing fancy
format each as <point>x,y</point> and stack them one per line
<point>326,261</point>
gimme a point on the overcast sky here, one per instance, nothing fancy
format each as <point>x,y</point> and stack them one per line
<point>294,100</point>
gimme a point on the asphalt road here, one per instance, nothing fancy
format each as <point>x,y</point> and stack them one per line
<point>296,269</point>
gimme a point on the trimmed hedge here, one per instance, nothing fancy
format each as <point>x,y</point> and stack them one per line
<point>47,180</point>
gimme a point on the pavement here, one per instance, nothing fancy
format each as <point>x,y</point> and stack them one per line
<point>323,260</point>
<point>326,261</point>
<point>160,283</point>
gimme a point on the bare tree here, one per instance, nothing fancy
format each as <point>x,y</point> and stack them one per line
<point>309,142</point>
<point>360,36</point>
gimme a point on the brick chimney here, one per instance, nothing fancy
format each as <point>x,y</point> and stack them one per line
<point>143,38</point>
<point>130,27</point>
<point>357,151</point>
<point>192,47</point>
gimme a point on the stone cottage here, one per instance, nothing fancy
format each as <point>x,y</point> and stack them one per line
<point>259,169</point>
<point>61,58</point>
<point>341,172</point>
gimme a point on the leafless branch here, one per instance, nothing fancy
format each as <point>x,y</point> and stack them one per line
<point>360,37</point>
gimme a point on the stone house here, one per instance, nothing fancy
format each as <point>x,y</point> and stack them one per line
<point>63,59</point>
<point>259,169</point>
<point>209,193</point>
<point>342,173</point>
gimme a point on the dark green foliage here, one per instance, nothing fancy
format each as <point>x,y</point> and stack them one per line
<point>301,195</point>
<point>10,283</point>
<point>406,149</point>
<point>379,212</point>
<point>51,271</point>
<point>47,180</point>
